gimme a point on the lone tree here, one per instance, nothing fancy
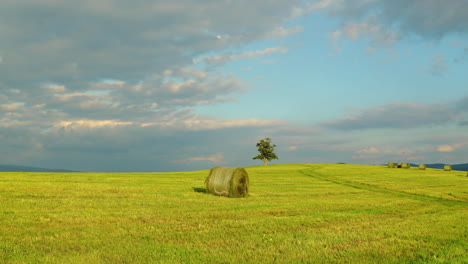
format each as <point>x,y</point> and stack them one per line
<point>266,151</point>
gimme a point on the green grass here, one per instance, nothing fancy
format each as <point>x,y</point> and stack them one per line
<point>294,214</point>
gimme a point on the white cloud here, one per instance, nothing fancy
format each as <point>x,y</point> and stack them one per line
<point>77,96</point>
<point>311,7</point>
<point>370,150</point>
<point>258,53</point>
<point>80,124</point>
<point>292,148</point>
<point>55,88</point>
<point>223,59</point>
<point>451,147</point>
<point>5,122</point>
<point>216,158</point>
<point>198,124</point>
<point>11,107</point>
<point>281,32</point>
<point>445,148</point>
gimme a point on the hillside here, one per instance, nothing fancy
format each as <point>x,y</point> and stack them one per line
<point>460,167</point>
<point>301,213</point>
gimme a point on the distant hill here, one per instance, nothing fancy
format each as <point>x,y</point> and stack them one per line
<point>14,168</point>
<point>460,167</point>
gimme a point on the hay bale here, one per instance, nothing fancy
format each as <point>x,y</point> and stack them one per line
<point>447,167</point>
<point>229,182</point>
<point>399,164</point>
<point>406,165</point>
<point>422,166</point>
<point>391,165</point>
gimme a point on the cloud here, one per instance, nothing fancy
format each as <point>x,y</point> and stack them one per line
<point>131,147</point>
<point>445,148</point>
<point>216,158</point>
<point>386,151</point>
<point>288,131</point>
<point>383,23</point>
<point>221,124</point>
<point>11,107</point>
<point>409,17</point>
<point>396,115</point>
<point>370,150</point>
<point>450,148</point>
<point>463,123</point>
<point>311,7</point>
<point>89,41</point>
<point>378,35</point>
<point>438,65</point>
<point>223,59</point>
<point>91,124</point>
<point>281,32</point>
<point>53,88</point>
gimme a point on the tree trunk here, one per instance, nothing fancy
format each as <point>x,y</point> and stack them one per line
<point>265,162</point>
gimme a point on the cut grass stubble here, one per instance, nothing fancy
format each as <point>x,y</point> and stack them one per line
<point>294,214</point>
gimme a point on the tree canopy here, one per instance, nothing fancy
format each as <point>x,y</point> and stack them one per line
<point>266,150</point>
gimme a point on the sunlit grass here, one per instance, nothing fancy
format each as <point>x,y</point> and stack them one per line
<point>294,214</point>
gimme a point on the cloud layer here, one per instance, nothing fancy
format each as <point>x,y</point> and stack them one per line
<point>108,85</point>
<point>432,19</point>
<point>398,115</point>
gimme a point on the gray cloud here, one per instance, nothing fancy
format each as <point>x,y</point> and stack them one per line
<point>442,139</point>
<point>462,105</point>
<point>91,85</point>
<point>107,60</point>
<point>132,148</point>
<point>397,115</point>
<point>431,19</point>
<point>91,40</point>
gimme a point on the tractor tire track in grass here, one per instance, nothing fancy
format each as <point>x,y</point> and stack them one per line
<point>311,172</point>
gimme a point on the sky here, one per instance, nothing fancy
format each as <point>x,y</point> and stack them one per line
<point>153,85</point>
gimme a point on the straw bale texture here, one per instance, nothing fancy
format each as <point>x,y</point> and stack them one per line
<point>422,166</point>
<point>406,165</point>
<point>447,167</point>
<point>391,165</point>
<point>229,182</point>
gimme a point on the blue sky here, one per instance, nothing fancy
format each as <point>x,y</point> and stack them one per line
<point>187,85</point>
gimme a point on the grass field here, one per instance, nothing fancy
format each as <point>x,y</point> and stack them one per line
<point>295,214</point>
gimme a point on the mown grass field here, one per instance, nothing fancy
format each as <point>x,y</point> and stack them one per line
<point>294,214</point>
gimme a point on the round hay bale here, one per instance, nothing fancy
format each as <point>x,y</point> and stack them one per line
<point>422,166</point>
<point>399,164</point>
<point>227,181</point>
<point>391,165</point>
<point>447,167</point>
<point>406,165</point>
